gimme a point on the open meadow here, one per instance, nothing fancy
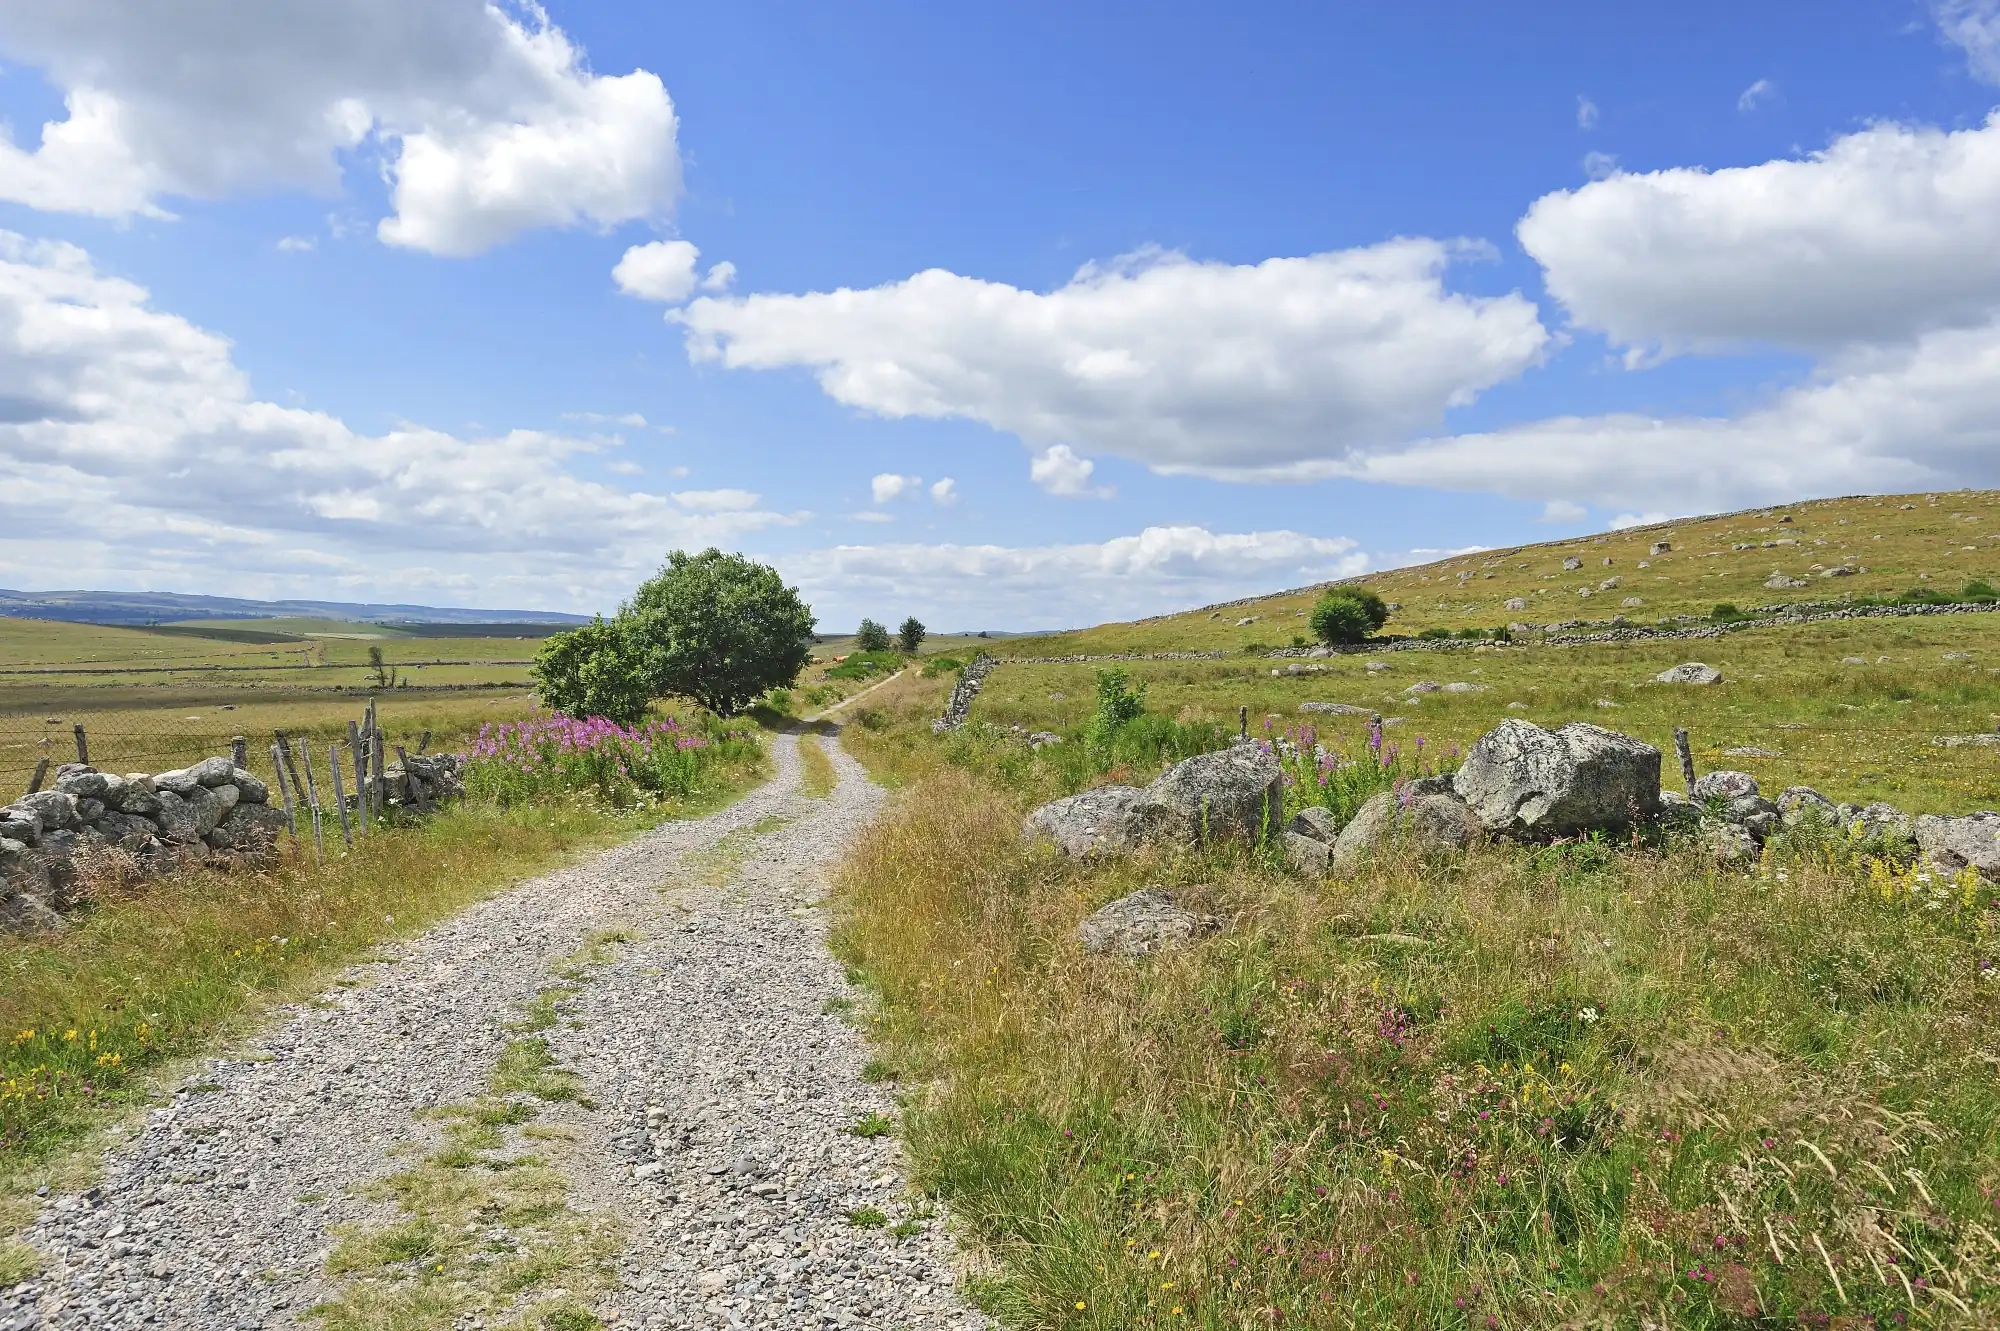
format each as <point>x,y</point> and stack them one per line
<point>1609,1080</point>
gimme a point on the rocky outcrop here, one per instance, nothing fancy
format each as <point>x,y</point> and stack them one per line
<point>1522,780</point>
<point>1236,794</point>
<point>1428,822</point>
<point>1956,844</point>
<point>1145,921</point>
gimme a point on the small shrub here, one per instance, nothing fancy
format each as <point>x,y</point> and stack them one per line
<point>866,1217</point>
<point>1979,590</point>
<point>1726,612</point>
<point>1436,634</point>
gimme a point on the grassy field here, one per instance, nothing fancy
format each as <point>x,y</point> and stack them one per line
<point>1582,1085</point>
<point>1901,541</point>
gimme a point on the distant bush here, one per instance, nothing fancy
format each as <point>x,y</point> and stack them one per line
<point>1346,615</point>
<point>1436,634</point>
<point>1726,612</point>
<point>910,637</point>
<point>942,665</point>
<point>1117,703</point>
<point>1979,590</point>
<point>863,664</point>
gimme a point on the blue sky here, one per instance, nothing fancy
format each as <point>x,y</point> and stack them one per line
<point>1185,302</point>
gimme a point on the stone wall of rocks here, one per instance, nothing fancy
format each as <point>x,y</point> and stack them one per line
<point>213,812</point>
<point>959,705</point>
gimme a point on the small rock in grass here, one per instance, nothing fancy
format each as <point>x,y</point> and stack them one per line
<point>1689,672</point>
<point>1751,751</point>
<point>1142,922</point>
<point>1316,822</point>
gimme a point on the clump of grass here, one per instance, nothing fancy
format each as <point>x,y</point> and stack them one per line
<point>872,1125</point>
<point>526,1065</point>
<point>817,779</point>
<point>866,1217</point>
<point>1594,1089</point>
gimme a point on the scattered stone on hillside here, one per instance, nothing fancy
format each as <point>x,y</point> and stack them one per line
<point>1962,741</point>
<point>1604,702</point>
<point>1336,708</point>
<point>1801,804</point>
<point>1633,601</point>
<point>1430,822</point>
<point>1840,571</point>
<point>1854,660</point>
<point>1571,564</point>
<point>1661,547</point>
<point>1234,794</point>
<point>1102,821</point>
<point>1315,821</point>
<point>1723,786</point>
<point>1585,591</point>
<point>1041,739</point>
<point>1751,751</point>
<point>1727,842</point>
<point>1423,686</point>
<point>1246,621</point>
<point>1609,584</point>
<point>1689,672</point>
<point>1143,922</point>
<point>1515,603</point>
<point>1374,667</point>
<point>1955,844</point>
<point>1521,780</point>
<point>1461,686</point>
<point>1517,707</point>
<point>1779,582</point>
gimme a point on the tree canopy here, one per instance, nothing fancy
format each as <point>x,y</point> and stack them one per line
<point>910,637</point>
<point>871,637</point>
<point>1348,614</point>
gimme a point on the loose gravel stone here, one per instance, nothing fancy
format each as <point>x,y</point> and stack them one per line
<point>723,1081</point>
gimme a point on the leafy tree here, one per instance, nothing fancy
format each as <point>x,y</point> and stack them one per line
<point>871,637</point>
<point>910,637</point>
<point>385,675</point>
<point>1117,703</point>
<point>720,629</point>
<point>595,670</point>
<point>1348,614</point>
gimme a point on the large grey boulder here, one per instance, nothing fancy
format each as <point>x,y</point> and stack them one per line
<point>84,784</point>
<point>1522,780</point>
<point>1236,794</point>
<point>23,909</point>
<point>128,831</point>
<point>1104,821</point>
<point>1882,821</point>
<point>208,808</point>
<point>249,788</point>
<point>1429,822</point>
<point>177,818</point>
<point>213,772</point>
<point>23,825</point>
<point>1689,672</point>
<point>137,799</point>
<point>250,828</point>
<point>1954,844</point>
<point>56,808</point>
<point>1145,921</point>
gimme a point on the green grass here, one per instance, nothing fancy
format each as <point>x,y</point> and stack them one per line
<point>817,779</point>
<point>1549,1089</point>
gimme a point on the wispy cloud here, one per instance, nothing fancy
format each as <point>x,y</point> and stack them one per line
<point>1763,90</point>
<point>1586,112</point>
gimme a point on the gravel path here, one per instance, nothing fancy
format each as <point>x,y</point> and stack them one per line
<point>711,1138</point>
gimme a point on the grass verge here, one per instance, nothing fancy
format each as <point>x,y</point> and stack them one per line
<point>1559,1086</point>
<point>817,778</point>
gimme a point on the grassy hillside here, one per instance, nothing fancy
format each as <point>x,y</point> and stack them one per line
<point>1899,541</point>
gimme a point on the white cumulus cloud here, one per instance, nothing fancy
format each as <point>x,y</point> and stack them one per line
<point>1061,472</point>
<point>1888,232</point>
<point>134,453</point>
<point>888,486</point>
<point>1175,363</point>
<point>487,120</point>
<point>944,492</point>
<point>663,270</point>
<point>717,501</point>
<point>1974,27</point>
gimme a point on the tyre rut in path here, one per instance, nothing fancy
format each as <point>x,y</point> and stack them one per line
<point>720,1081</point>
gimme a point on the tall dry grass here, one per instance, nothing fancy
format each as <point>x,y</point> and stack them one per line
<point>1577,1085</point>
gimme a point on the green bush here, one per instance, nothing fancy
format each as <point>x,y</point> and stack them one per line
<point>1726,612</point>
<point>1117,703</point>
<point>871,637</point>
<point>596,670</point>
<point>1348,615</point>
<point>861,665</point>
<point>910,637</point>
<point>1979,590</point>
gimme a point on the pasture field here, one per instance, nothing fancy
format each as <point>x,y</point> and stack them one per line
<point>1898,542</point>
<point>1600,1083</point>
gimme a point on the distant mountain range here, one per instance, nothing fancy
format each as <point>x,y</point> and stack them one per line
<point>168,607</point>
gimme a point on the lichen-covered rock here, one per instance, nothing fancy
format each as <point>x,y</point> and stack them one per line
<point>1103,821</point>
<point>56,808</point>
<point>83,783</point>
<point>1522,780</point>
<point>20,824</point>
<point>89,811</point>
<point>1315,821</point>
<point>136,799</point>
<point>1723,786</point>
<point>1754,814</point>
<point>1955,844</point>
<point>1235,794</point>
<point>207,809</point>
<point>1308,856</point>
<point>1145,921</point>
<point>1881,821</point>
<point>128,831</point>
<point>249,788</point>
<point>1689,672</point>
<point>177,817</point>
<point>249,828</point>
<point>1798,805</point>
<point>213,771</point>
<point>178,782</point>
<point>1430,823</point>
<point>1727,843</point>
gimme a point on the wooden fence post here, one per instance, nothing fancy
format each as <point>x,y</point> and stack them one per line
<point>378,775</point>
<point>41,771</point>
<point>82,746</point>
<point>423,742</point>
<point>339,795</point>
<point>413,787</point>
<point>360,775</point>
<point>288,770</point>
<point>312,796</point>
<point>1243,722</point>
<point>278,766</point>
<point>239,751</point>
<point>1687,757</point>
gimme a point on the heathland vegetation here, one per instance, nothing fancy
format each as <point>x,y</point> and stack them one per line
<point>1597,1080</point>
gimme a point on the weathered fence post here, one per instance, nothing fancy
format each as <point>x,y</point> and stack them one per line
<point>278,766</point>
<point>1687,757</point>
<point>414,787</point>
<point>312,796</point>
<point>339,795</point>
<point>239,751</point>
<point>1243,723</point>
<point>423,742</point>
<point>82,746</point>
<point>288,770</point>
<point>360,775</point>
<point>41,770</point>
<point>379,776</point>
